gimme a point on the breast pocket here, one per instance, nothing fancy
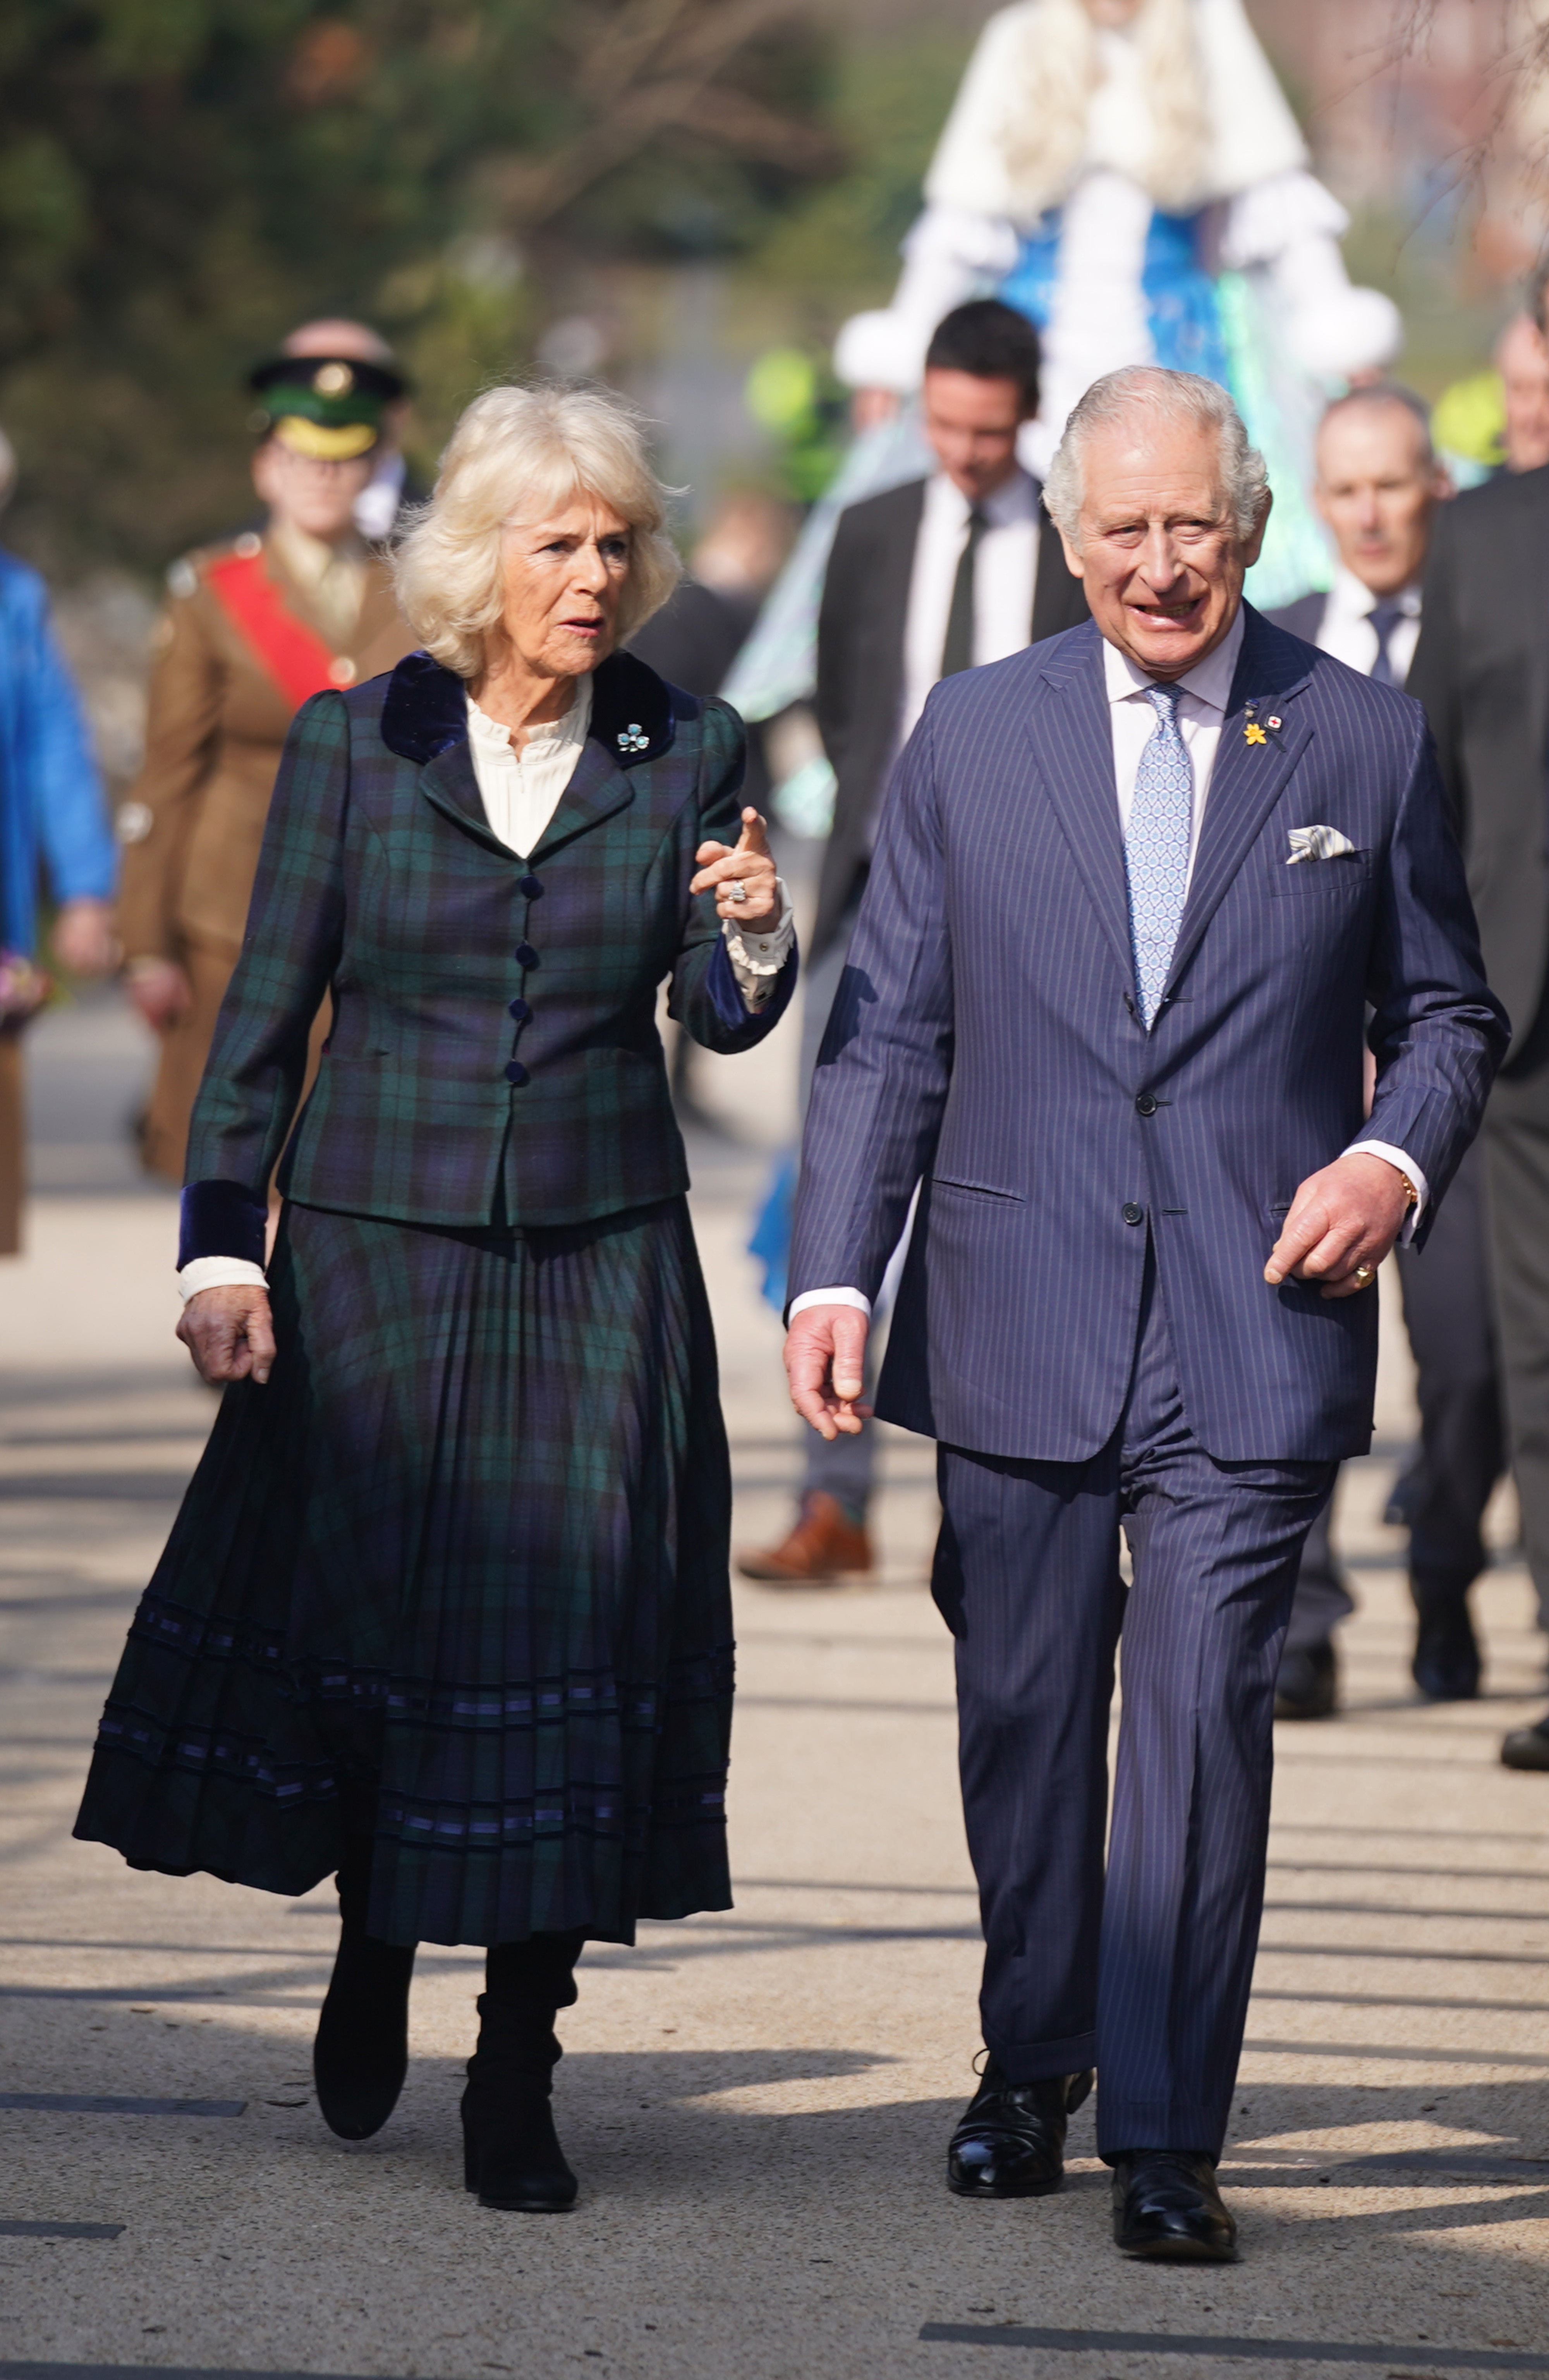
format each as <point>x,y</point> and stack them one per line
<point>1342,879</point>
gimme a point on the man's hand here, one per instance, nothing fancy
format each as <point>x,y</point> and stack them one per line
<point>83,937</point>
<point>160,991</point>
<point>230,1334</point>
<point>1341,1220</point>
<point>825,1356</point>
<point>743,881</point>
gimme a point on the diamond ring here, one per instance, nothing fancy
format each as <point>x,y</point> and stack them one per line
<point>736,890</point>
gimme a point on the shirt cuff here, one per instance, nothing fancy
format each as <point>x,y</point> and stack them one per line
<point>830,1297</point>
<point>1411,1173</point>
<point>756,959</point>
<point>219,1272</point>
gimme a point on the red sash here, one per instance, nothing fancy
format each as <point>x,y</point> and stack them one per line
<point>294,656</point>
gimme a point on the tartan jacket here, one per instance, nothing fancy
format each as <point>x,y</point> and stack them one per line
<point>494,1055</point>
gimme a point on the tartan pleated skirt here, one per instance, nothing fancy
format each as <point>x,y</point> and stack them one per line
<point>455,1578</point>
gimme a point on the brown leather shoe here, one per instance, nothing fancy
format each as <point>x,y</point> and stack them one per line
<point>823,1544</point>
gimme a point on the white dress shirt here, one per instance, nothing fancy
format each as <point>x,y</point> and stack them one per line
<point>1004,572</point>
<point>1207,692</point>
<point>1347,631</point>
<point>520,792</point>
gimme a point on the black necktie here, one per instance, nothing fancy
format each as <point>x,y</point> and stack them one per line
<point>957,653</point>
<point>1385,618</point>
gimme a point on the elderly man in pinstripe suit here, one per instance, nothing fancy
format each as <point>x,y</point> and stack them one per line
<point>1105,1004</point>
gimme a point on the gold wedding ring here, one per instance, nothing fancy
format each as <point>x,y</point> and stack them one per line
<point>1362,1274</point>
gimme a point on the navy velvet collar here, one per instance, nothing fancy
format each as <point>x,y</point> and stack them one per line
<point>634,712</point>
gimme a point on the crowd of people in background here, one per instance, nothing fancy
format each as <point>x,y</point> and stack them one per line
<point>943,572</point>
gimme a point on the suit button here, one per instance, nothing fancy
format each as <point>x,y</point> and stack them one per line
<point>520,1011</point>
<point>1145,1104</point>
<point>530,887</point>
<point>1133,1214</point>
<point>526,955</point>
<point>516,1073</point>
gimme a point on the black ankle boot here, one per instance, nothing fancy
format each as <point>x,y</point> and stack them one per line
<point>361,2053</point>
<point>512,2157</point>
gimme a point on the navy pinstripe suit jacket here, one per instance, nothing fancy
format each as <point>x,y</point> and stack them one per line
<point>985,1043</point>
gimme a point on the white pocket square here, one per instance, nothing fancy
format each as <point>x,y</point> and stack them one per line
<point>1318,843</point>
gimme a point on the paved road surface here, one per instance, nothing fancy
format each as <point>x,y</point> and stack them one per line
<point>756,2102</point>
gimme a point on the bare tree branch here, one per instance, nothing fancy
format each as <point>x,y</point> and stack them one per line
<point>648,67</point>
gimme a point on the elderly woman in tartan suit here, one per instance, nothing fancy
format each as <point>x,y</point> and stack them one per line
<point>446,1608</point>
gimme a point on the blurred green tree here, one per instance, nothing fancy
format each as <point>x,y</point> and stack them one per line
<point>180,180</point>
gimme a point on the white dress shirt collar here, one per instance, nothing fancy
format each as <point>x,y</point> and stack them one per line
<point>1349,597</point>
<point>1015,499</point>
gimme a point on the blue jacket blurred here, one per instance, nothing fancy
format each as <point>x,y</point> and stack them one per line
<point>52,806</point>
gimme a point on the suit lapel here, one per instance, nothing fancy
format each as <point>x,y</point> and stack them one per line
<point>449,786</point>
<point>597,788</point>
<point>1072,744</point>
<point>886,600</point>
<point>1531,581</point>
<point>1248,777</point>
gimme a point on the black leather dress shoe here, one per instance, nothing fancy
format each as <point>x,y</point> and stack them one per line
<point>1010,2141</point>
<point>1166,2206</point>
<point>1527,1747</point>
<point>1307,1683</point>
<point>1446,1665</point>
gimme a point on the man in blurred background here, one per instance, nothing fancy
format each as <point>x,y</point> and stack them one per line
<point>54,822</point>
<point>1378,486</point>
<point>940,575</point>
<point>253,627</point>
<point>1482,670</point>
<point>1522,360</point>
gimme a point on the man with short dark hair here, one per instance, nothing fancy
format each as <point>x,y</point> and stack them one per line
<point>940,575</point>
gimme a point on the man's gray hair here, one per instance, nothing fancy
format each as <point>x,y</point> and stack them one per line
<point>1167,396</point>
<point>1376,393</point>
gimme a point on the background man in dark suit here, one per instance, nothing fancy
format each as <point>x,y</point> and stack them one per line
<point>1378,486</point>
<point>1107,1004</point>
<point>1482,670</point>
<point>937,576</point>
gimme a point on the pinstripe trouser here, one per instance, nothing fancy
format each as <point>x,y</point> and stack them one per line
<point>1145,1973</point>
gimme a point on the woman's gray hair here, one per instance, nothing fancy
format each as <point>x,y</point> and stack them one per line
<point>519,455</point>
<point>1166,397</point>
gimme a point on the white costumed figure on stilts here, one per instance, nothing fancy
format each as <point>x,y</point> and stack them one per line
<point>1129,175</point>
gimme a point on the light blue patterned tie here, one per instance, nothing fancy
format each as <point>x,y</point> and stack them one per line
<point>1157,848</point>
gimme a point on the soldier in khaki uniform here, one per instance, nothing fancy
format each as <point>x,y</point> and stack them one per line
<point>252,628</point>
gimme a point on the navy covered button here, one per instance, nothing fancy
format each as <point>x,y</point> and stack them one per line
<point>520,1011</point>
<point>1133,1214</point>
<point>526,955</point>
<point>516,1073</point>
<point>530,887</point>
